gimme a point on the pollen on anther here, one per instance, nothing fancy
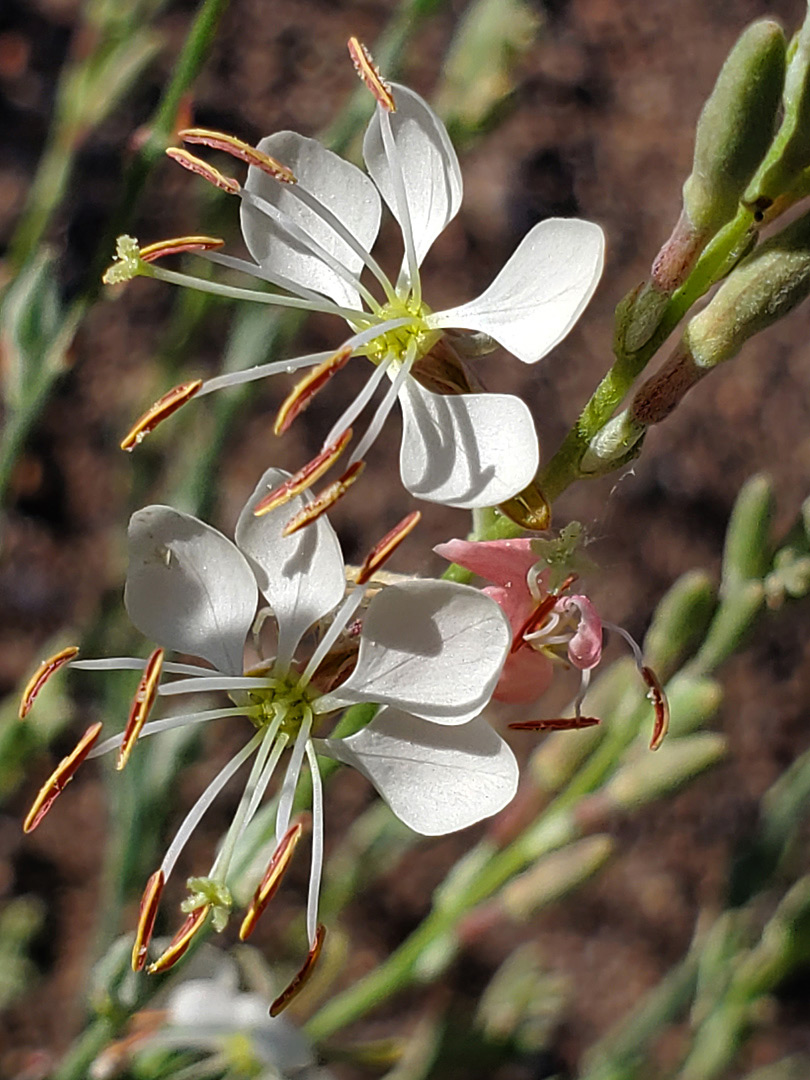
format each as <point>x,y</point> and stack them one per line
<point>179,245</point>
<point>61,777</point>
<point>181,941</point>
<point>162,408</point>
<point>203,169</point>
<point>325,500</point>
<point>306,476</point>
<point>229,144</point>
<point>300,980</point>
<point>369,73</point>
<point>269,885</point>
<point>45,670</point>
<point>385,548</point>
<point>141,706</point>
<point>146,918</point>
<point>660,704</point>
<point>305,390</point>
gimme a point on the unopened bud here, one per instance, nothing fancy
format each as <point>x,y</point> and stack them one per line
<point>652,776</point>
<point>529,508</point>
<point>554,876</point>
<point>735,127</point>
<point>614,445</point>
<point>789,154</point>
<point>746,554</point>
<point>680,621</point>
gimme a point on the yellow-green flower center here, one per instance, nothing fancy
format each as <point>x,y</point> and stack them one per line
<point>284,698</point>
<point>395,343</point>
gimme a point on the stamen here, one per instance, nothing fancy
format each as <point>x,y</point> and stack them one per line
<point>385,548</point>
<point>216,682</point>
<point>60,778</point>
<point>179,944</point>
<point>157,413</point>
<point>141,705</point>
<point>170,722</point>
<point>563,723</point>
<point>300,980</point>
<point>268,886</point>
<point>369,74</point>
<point>341,620</point>
<point>301,480</point>
<point>229,144</point>
<point>403,214</point>
<point>178,246</point>
<point>146,919</point>
<point>535,620</point>
<point>350,414</point>
<point>304,391</point>
<point>206,171</point>
<point>325,500</point>
<point>41,675</point>
<point>316,859</point>
<point>660,704</point>
<point>134,663</point>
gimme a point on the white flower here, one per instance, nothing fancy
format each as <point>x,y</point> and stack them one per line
<point>429,654</point>
<point>313,238</point>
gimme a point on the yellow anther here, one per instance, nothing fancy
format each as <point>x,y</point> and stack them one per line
<point>41,675</point>
<point>229,144</point>
<point>203,169</point>
<point>163,407</point>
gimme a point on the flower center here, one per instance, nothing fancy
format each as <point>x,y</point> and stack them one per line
<point>283,698</point>
<point>394,344</point>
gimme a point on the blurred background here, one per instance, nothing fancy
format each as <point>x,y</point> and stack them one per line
<point>565,108</point>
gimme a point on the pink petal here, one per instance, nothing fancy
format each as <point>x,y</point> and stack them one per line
<point>585,647</point>
<point>525,676</point>
<point>503,562</point>
<point>517,604</point>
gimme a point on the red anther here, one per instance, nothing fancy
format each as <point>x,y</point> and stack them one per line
<point>385,548</point>
<point>179,944</point>
<point>268,886</point>
<point>301,480</point>
<point>41,675</point>
<point>60,778</point>
<point>141,705</point>
<point>229,144</point>
<point>203,169</point>
<point>563,723</point>
<point>370,74</point>
<point>304,391</point>
<point>157,413</point>
<point>146,918</point>
<point>660,704</point>
<point>178,246</point>
<point>538,616</point>
<point>325,500</point>
<point>300,980</point>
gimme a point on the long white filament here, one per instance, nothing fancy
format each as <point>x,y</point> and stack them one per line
<point>244,266</point>
<point>133,663</point>
<point>216,682</point>
<point>349,415</point>
<point>185,720</point>
<point>225,853</point>
<point>401,199</point>
<point>318,250</point>
<point>285,799</point>
<point>261,371</point>
<point>234,293</point>
<point>385,406</point>
<point>264,780</point>
<point>336,628</point>
<point>316,864</point>
<point>195,814</point>
<point>326,215</point>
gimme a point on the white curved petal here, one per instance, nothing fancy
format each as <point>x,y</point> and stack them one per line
<point>431,648</point>
<point>188,588</point>
<point>340,186</point>
<point>435,779</point>
<point>541,291</point>
<point>429,164</point>
<point>302,575</point>
<point>465,450</point>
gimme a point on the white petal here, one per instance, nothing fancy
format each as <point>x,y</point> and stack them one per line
<point>302,575</point>
<point>429,164</point>
<point>432,648</point>
<point>540,293</point>
<point>465,450</point>
<point>340,186</point>
<point>435,779</point>
<point>188,588</point>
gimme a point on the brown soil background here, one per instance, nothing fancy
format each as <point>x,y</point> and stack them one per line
<point>602,127</point>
